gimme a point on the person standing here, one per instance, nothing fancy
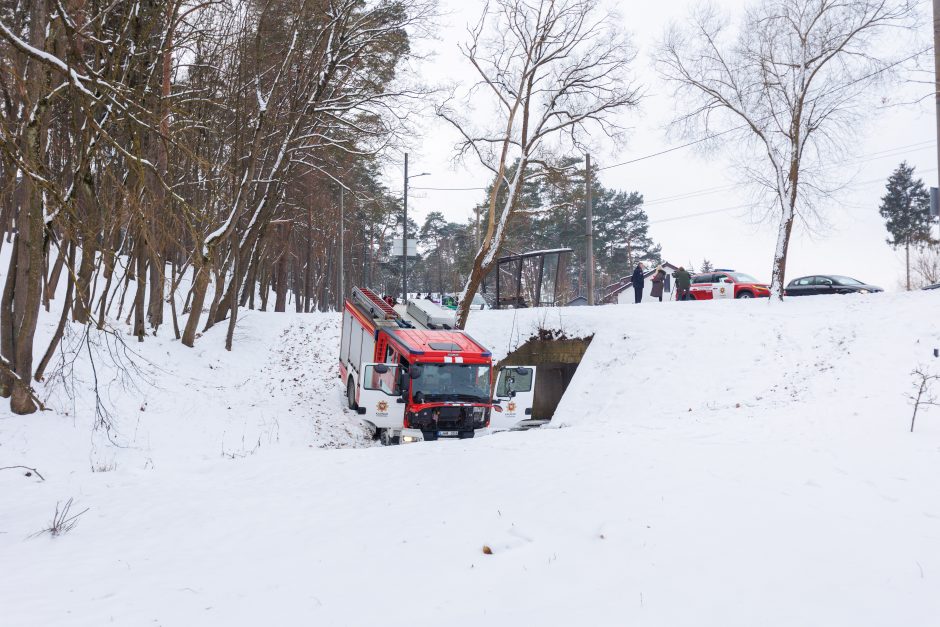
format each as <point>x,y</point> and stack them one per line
<point>637,280</point>
<point>683,283</point>
<point>658,280</point>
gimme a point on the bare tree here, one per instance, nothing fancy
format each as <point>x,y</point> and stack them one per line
<point>923,395</point>
<point>926,266</point>
<point>552,71</point>
<point>787,89</point>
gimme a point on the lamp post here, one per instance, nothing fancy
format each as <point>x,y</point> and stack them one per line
<point>404,232</point>
<point>589,229</point>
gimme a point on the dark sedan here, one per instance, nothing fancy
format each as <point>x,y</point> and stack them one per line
<point>828,284</point>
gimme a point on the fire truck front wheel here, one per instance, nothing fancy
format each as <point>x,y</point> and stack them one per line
<point>386,438</point>
<point>351,394</point>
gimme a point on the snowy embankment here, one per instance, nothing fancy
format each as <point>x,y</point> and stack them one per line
<point>726,463</point>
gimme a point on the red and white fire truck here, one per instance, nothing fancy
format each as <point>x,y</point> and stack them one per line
<point>412,377</point>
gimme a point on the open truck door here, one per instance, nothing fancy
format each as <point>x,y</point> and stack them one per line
<point>515,392</point>
<point>380,396</point>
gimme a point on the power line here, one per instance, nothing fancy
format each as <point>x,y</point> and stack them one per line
<point>742,126</point>
<point>450,189</point>
<point>882,154</point>
<point>745,205</point>
<point>707,137</point>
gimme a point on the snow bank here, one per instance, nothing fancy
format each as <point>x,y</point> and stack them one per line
<point>725,463</point>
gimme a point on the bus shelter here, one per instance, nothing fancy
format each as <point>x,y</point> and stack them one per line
<point>534,279</point>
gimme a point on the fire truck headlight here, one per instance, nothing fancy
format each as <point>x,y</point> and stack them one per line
<point>479,416</point>
<point>411,435</point>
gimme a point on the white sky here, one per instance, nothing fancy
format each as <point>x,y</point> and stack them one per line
<point>725,233</point>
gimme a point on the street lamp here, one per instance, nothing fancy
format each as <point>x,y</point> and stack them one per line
<point>404,239</point>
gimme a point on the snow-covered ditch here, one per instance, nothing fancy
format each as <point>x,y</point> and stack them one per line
<point>724,463</point>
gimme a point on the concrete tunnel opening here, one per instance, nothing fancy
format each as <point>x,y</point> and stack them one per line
<point>556,359</point>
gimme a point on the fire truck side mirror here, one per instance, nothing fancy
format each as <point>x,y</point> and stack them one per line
<point>415,372</point>
<point>380,368</point>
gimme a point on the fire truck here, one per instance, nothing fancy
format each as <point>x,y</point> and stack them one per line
<point>413,377</point>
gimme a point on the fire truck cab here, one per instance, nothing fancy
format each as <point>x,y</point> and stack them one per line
<point>412,383</point>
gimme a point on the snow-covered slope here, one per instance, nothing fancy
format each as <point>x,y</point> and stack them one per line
<point>726,463</point>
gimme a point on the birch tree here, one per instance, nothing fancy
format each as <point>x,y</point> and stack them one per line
<point>549,72</point>
<point>786,89</point>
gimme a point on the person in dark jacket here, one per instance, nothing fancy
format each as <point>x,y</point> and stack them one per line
<point>683,283</point>
<point>637,280</point>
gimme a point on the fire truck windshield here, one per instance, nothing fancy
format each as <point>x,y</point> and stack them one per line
<point>452,382</point>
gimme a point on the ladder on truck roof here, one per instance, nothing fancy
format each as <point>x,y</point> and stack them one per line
<point>374,304</point>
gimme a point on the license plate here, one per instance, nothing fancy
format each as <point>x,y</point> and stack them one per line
<point>447,434</point>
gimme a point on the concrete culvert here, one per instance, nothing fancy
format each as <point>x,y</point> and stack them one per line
<point>555,358</point>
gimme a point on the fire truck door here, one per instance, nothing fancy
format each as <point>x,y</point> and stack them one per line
<point>379,396</point>
<point>723,287</point>
<point>515,389</point>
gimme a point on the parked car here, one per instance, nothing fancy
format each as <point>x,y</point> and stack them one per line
<point>726,284</point>
<point>477,302</point>
<point>828,284</point>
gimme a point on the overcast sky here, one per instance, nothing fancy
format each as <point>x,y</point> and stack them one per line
<point>695,208</point>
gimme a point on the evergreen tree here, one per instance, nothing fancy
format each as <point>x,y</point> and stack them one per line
<point>707,266</point>
<point>906,210</point>
<point>621,233</point>
<point>551,215</point>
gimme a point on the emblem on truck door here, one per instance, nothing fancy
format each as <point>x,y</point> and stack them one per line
<point>511,407</point>
<point>381,408</point>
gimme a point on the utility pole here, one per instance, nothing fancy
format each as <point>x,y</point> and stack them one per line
<point>936,70</point>
<point>404,241</point>
<point>404,233</point>
<point>342,245</point>
<point>589,227</point>
<point>936,89</point>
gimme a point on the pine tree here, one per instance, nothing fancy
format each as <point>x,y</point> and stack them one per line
<point>906,210</point>
<point>706,266</point>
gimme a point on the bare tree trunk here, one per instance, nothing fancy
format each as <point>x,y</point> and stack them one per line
<point>63,319</point>
<point>175,282</point>
<point>7,349</point>
<point>141,292</point>
<point>265,287</point>
<point>309,267</point>
<point>907,264</point>
<point>157,288</point>
<point>48,293</point>
<point>280,301</point>
<point>80,310</point>
<point>211,319</point>
<point>234,306</point>
<point>200,285</point>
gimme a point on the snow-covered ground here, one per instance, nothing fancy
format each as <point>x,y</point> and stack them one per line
<point>720,463</point>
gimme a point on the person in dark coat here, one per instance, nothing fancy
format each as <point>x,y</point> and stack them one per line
<point>683,283</point>
<point>658,279</point>
<point>637,280</point>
